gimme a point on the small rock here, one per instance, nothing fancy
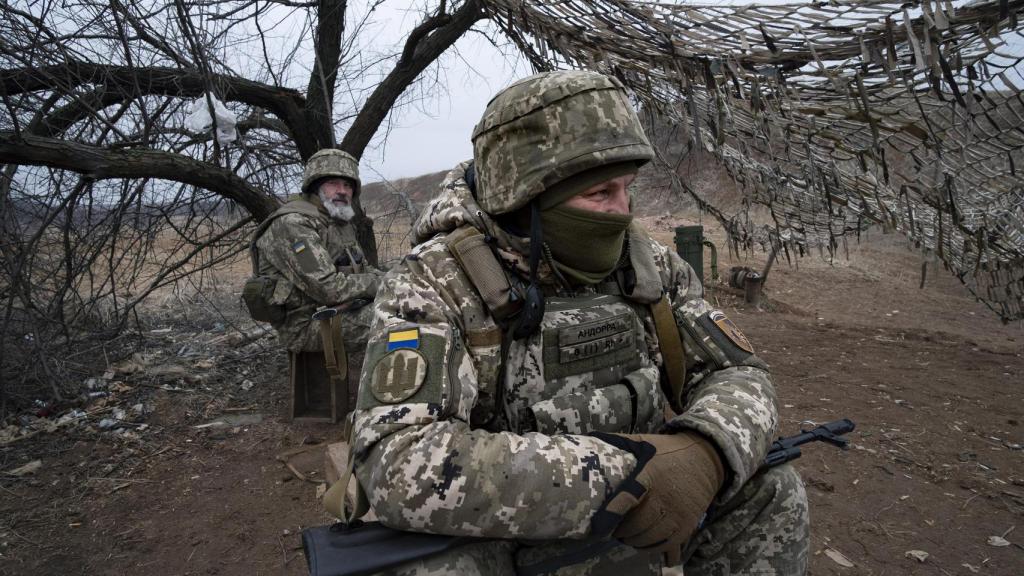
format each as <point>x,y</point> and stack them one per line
<point>139,408</point>
<point>247,385</point>
<point>118,414</point>
<point>967,456</point>
<point>73,415</point>
<point>108,423</point>
<point>919,555</point>
<point>998,541</point>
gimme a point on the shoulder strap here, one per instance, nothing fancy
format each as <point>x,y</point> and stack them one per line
<point>334,498</point>
<point>296,205</point>
<point>672,353</point>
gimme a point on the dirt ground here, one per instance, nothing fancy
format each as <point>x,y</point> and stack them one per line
<point>187,479</point>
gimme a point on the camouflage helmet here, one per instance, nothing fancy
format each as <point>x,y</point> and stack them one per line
<point>548,127</point>
<point>328,163</point>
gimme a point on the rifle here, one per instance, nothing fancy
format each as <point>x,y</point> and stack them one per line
<point>788,448</point>
<point>369,547</point>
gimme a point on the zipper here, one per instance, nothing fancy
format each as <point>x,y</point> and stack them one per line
<point>456,384</point>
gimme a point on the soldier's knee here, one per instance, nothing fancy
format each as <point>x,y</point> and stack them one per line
<point>789,495</point>
<point>779,493</point>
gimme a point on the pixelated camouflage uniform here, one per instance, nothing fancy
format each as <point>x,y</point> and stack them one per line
<point>458,457</point>
<point>461,429</point>
<point>299,248</point>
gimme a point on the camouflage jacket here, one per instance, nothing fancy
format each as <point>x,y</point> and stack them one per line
<point>445,443</point>
<point>303,249</point>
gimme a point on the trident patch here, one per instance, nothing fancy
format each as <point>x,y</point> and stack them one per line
<point>398,375</point>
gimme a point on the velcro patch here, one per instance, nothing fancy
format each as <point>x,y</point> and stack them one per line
<point>303,253</point>
<point>730,330</point>
<point>594,338</point>
<point>398,375</point>
<point>404,339</point>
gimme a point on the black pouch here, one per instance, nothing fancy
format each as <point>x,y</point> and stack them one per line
<point>257,294</point>
<point>369,547</point>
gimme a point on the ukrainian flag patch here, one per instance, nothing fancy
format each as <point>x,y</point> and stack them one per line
<point>404,339</point>
<point>299,247</point>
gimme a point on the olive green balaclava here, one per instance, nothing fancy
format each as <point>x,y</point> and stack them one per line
<point>585,244</point>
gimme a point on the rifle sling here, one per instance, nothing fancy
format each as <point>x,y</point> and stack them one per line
<point>672,354</point>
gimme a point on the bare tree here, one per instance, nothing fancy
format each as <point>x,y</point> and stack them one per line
<point>100,174</point>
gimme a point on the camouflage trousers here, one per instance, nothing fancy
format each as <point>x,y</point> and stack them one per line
<point>763,531</point>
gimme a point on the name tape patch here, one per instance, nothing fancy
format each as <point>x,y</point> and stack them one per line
<point>594,338</point>
<point>594,330</point>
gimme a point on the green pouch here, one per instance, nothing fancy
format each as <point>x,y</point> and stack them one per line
<point>257,294</point>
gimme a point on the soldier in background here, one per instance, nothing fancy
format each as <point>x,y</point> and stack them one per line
<point>523,356</point>
<point>306,258</point>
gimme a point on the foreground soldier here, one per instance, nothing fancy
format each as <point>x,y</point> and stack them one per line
<point>305,256</point>
<point>515,376</point>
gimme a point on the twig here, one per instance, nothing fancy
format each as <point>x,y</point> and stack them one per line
<point>167,389</point>
<point>15,494</point>
<point>964,507</point>
<point>32,542</point>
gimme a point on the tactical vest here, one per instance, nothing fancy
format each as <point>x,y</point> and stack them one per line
<point>588,366</point>
<point>258,291</point>
<point>263,295</point>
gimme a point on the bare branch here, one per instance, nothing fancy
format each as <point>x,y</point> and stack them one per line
<point>421,54</point>
<point>98,164</point>
<point>285,103</point>
<point>320,92</point>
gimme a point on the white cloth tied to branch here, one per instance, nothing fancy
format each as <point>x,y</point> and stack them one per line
<point>199,119</point>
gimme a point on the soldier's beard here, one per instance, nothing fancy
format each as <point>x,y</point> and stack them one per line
<point>342,212</point>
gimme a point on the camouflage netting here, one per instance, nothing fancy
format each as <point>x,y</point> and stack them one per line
<point>834,115</point>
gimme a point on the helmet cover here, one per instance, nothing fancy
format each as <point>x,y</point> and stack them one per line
<point>330,163</point>
<point>548,127</point>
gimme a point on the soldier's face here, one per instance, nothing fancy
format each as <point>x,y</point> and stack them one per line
<point>611,196</point>
<point>336,191</point>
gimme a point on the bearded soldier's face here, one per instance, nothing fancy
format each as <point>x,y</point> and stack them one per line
<point>336,194</point>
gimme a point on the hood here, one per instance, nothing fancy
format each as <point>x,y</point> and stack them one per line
<point>455,206</point>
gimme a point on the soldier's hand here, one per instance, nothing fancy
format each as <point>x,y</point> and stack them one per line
<point>681,481</point>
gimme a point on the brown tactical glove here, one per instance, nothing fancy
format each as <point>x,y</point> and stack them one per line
<point>679,482</point>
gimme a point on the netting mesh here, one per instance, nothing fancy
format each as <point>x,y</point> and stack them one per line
<point>834,116</point>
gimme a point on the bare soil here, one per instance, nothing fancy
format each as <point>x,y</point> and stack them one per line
<point>934,382</point>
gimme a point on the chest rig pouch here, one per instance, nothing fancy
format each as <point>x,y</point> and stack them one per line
<point>585,370</point>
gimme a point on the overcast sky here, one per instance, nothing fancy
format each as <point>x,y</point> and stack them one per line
<point>434,134</point>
